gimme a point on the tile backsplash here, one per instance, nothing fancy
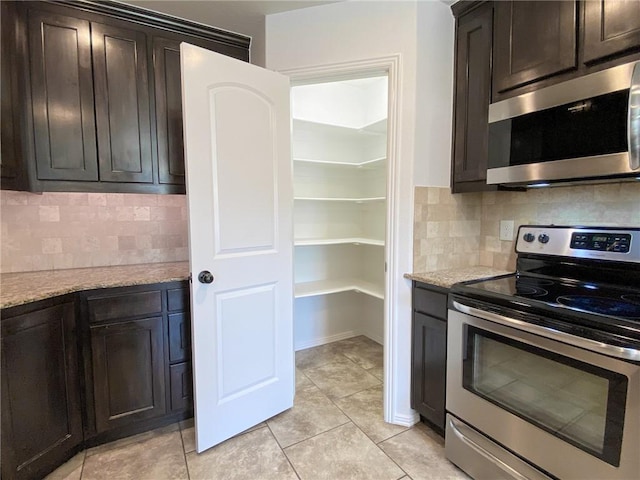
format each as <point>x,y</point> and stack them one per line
<point>52,231</point>
<point>458,230</point>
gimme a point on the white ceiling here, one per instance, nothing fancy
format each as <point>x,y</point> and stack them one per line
<point>240,16</point>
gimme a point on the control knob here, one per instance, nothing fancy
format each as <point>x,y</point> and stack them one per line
<point>543,238</point>
<point>529,237</point>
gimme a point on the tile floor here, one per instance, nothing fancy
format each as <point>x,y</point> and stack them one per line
<point>334,431</point>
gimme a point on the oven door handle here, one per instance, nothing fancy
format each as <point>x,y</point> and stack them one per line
<point>586,343</point>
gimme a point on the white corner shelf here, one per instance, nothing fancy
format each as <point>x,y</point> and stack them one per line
<point>373,163</point>
<point>377,127</point>
<point>341,199</point>
<point>306,242</point>
<point>326,287</point>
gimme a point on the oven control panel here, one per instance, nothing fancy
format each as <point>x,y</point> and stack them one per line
<point>601,243</point>
<point>604,242</point>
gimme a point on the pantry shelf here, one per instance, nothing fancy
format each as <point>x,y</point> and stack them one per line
<point>304,242</point>
<point>327,287</point>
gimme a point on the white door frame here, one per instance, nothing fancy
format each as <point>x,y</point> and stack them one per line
<point>394,390</point>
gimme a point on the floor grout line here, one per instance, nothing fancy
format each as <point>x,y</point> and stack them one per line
<point>184,453</point>
<point>284,453</point>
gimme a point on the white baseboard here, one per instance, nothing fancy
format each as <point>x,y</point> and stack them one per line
<point>321,341</point>
<point>375,338</point>
<point>405,420</point>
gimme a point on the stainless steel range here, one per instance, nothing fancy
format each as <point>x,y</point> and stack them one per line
<point>543,377</point>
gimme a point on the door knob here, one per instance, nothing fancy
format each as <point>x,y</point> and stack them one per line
<point>205,276</point>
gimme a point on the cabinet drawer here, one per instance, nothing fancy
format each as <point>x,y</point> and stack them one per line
<point>178,299</point>
<point>429,302</point>
<point>111,307</point>
<point>181,386</point>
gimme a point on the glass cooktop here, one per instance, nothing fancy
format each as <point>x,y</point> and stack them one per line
<point>576,296</point>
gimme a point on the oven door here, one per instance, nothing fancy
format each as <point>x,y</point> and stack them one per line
<point>571,412</point>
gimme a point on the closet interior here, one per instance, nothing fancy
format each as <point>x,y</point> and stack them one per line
<point>339,146</point>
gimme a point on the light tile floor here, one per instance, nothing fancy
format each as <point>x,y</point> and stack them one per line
<point>335,431</point>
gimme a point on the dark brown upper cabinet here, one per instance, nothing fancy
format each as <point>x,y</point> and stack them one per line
<point>472,95</point>
<point>10,154</point>
<point>62,97</point>
<point>610,28</point>
<point>91,96</point>
<point>122,104</point>
<point>532,40</point>
<point>170,142</point>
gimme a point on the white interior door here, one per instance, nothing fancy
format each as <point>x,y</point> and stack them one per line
<point>239,193</point>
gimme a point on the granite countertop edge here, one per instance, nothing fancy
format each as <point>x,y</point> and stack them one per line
<point>26,287</point>
<point>446,278</point>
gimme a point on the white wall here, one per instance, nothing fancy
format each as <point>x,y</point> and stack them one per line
<point>359,30</point>
<point>434,94</point>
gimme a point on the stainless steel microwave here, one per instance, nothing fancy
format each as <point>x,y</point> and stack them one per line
<point>583,130</point>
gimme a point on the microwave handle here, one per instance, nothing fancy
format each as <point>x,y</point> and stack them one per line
<point>633,125</point>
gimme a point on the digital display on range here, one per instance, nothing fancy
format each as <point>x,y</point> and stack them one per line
<point>604,242</point>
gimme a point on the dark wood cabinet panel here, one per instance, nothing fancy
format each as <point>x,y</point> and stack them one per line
<point>181,386</point>
<point>78,81</point>
<point>429,352</point>
<point>532,40</point>
<point>122,104</point>
<point>168,92</point>
<point>610,28</point>
<point>62,97</point>
<point>429,368</point>
<point>128,372</point>
<point>41,415</point>
<point>179,336</point>
<point>472,96</point>
<point>10,154</point>
<point>178,299</point>
<point>113,306</point>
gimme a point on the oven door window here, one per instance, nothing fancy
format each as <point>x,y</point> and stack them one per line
<point>575,401</point>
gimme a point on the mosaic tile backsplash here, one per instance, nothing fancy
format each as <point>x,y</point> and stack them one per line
<point>52,231</point>
<point>452,231</point>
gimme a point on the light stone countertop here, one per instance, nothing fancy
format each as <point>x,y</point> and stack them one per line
<point>446,278</point>
<point>25,287</point>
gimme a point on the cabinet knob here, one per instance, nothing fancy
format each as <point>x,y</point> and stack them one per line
<point>205,276</point>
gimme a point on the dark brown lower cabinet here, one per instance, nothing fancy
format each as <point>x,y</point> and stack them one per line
<point>41,408</point>
<point>137,359</point>
<point>128,372</point>
<point>429,353</point>
<point>181,386</point>
<point>87,368</point>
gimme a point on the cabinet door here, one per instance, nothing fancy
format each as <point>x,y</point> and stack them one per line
<point>472,97</point>
<point>10,154</point>
<point>429,364</point>
<point>122,104</point>
<point>181,386</point>
<point>532,40</point>
<point>41,414</point>
<point>128,372</point>
<point>179,336</point>
<point>610,28</point>
<point>62,97</point>
<point>168,91</point>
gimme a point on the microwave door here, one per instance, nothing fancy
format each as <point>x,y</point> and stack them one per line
<point>634,119</point>
<point>585,129</point>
